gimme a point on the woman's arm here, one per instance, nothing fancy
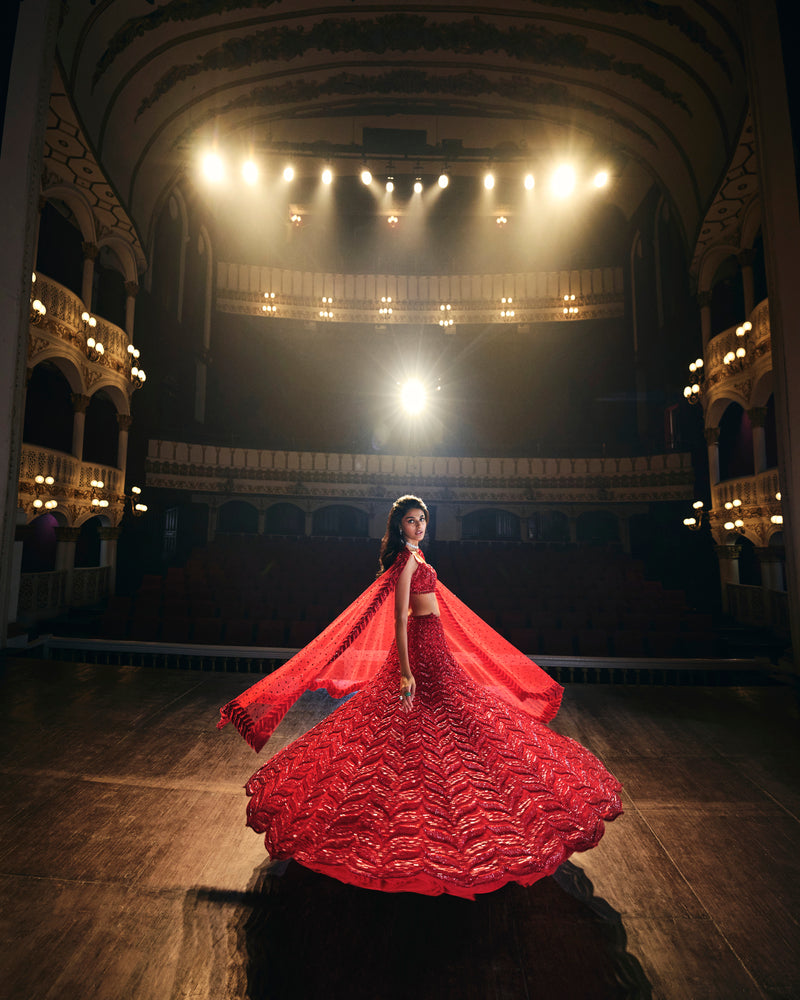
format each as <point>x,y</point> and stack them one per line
<point>402,595</point>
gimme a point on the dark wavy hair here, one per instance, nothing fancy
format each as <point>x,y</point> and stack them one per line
<point>392,542</point>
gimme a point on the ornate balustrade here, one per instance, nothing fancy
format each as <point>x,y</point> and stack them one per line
<point>751,490</point>
<point>63,321</point>
<point>67,471</point>
<point>757,343</point>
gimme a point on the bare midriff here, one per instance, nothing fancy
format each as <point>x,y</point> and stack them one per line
<point>423,604</point>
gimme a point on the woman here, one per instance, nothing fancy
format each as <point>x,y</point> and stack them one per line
<point>440,775</point>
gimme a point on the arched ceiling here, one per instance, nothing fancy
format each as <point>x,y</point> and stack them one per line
<point>657,90</point>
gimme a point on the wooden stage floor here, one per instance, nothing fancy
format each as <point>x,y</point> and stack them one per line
<point>126,870</point>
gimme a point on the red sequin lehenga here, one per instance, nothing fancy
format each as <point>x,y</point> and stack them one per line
<point>466,792</point>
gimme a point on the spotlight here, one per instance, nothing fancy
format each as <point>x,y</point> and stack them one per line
<point>327,175</point>
<point>601,178</point>
<point>563,181</point>
<point>418,186</point>
<point>444,180</point>
<point>389,185</point>
<point>213,168</point>
<point>249,172</point>
<point>288,174</point>
<point>488,181</point>
<point>366,176</point>
<point>529,182</point>
<point>413,396</point>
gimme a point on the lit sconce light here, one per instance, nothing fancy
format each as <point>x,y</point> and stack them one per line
<point>778,495</point>
<point>288,174</point>
<point>777,519</point>
<point>94,349</point>
<point>488,181</point>
<point>446,319</point>
<point>601,179</point>
<point>693,390</point>
<point>695,523</point>
<point>389,184</point>
<point>40,482</point>
<point>38,311</point>
<point>326,312</point>
<point>269,307</point>
<point>744,329</point>
<point>569,310</point>
<point>392,220</point>
<point>327,175</point>
<point>366,177</point>
<point>731,504</point>
<point>444,180</point>
<point>529,182</point>
<point>50,504</point>
<point>507,312</point>
<point>296,219</point>
<point>386,305</point>
<point>501,220</point>
<point>250,172</point>
<point>418,185</point>
<point>137,508</point>
<point>98,484</point>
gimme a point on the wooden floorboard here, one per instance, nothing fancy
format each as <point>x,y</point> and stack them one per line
<point>126,870</point>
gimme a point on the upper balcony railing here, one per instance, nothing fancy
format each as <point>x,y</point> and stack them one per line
<point>753,491</point>
<point>67,471</point>
<point>65,308</point>
<point>757,341</point>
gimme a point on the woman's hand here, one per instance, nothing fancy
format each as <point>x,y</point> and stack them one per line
<point>408,688</point>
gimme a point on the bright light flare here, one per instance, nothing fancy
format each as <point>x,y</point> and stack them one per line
<point>444,180</point>
<point>413,396</point>
<point>529,182</point>
<point>389,185</point>
<point>601,179</point>
<point>418,186</point>
<point>213,168</point>
<point>327,175</point>
<point>288,174</point>
<point>562,182</point>
<point>250,172</point>
<point>366,177</point>
<point>488,181</point>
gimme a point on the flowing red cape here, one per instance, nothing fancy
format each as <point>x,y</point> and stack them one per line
<point>348,653</point>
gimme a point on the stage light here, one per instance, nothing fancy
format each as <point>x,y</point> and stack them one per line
<point>389,185</point>
<point>418,186</point>
<point>488,181</point>
<point>327,175</point>
<point>413,396</point>
<point>444,180</point>
<point>366,177</point>
<point>288,174</point>
<point>249,172</point>
<point>601,178</point>
<point>392,220</point>
<point>562,183</point>
<point>529,182</point>
<point>213,168</point>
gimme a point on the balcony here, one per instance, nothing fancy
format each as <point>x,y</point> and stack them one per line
<point>72,477</point>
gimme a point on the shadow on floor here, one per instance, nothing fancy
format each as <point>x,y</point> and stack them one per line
<point>303,935</point>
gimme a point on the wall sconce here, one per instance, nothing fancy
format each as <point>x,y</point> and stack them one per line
<point>735,359</point>
<point>694,390</point>
<point>695,523</point>
<point>138,377</point>
<point>94,349</point>
<point>570,309</point>
<point>737,526</point>
<point>326,312</point>
<point>445,319</point>
<point>386,306</point>
<point>137,508</point>
<point>39,483</point>
<point>102,502</point>
<point>269,306</point>
<point>507,311</point>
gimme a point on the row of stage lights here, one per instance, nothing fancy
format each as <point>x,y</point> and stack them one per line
<point>563,180</point>
<point>386,309</point>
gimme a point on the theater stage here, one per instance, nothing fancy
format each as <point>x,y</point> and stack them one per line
<point>126,870</point>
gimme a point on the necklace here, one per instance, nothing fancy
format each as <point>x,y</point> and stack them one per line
<point>414,548</point>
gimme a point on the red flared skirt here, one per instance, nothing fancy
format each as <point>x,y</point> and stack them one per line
<point>460,795</point>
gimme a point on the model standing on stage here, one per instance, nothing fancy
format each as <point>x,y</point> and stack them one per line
<point>440,775</point>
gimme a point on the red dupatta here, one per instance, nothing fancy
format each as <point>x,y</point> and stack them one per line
<point>346,655</point>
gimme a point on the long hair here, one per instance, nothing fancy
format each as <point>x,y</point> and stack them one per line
<point>392,542</point>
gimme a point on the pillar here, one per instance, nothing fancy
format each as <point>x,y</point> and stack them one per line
<point>762,28</point>
<point>131,290</point>
<point>66,539</point>
<point>728,556</point>
<point>746,258</point>
<point>704,302</point>
<point>90,252</point>
<point>108,554</point>
<point>124,421</point>
<point>712,440</point>
<point>771,560</point>
<point>758,417</point>
<point>16,565</point>
<point>262,521</point>
<point>79,406</point>
<point>309,525</point>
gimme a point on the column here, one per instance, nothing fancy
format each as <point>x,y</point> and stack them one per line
<point>79,406</point>
<point>728,556</point>
<point>262,521</point>
<point>124,421</point>
<point>746,258</point>
<point>758,417</point>
<point>309,525</point>
<point>66,538</point>
<point>108,554</point>
<point>704,301</point>
<point>131,291</point>
<point>16,565</point>
<point>712,440</point>
<point>771,560</point>
<point>90,251</point>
